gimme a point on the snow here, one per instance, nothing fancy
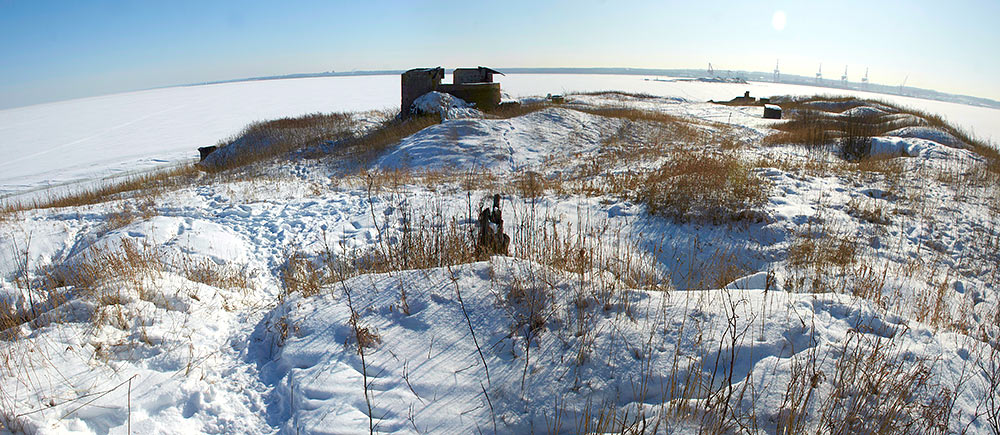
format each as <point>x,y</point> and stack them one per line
<point>52,145</point>
<point>508,145</point>
<point>430,377</point>
<point>863,111</point>
<point>510,344</point>
<point>447,105</point>
<point>896,147</point>
<point>928,133</point>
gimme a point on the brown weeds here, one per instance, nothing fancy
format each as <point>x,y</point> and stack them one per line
<point>701,185</point>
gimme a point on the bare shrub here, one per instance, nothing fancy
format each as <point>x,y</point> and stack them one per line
<point>856,134</point>
<point>988,365</point>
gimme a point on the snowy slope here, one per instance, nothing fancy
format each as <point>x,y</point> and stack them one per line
<point>429,376</point>
<point>512,344</point>
<point>507,145</point>
<point>56,143</point>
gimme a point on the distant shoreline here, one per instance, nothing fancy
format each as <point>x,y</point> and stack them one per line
<point>755,76</point>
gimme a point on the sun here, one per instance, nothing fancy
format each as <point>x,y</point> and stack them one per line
<point>778,20</point>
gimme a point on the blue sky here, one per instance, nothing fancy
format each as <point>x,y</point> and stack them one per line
<point>54,50</point>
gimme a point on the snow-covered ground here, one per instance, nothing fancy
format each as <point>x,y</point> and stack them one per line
<point>57,143</point>
<point>196,313</point>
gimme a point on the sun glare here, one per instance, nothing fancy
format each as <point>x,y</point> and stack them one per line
<point>778,20</point>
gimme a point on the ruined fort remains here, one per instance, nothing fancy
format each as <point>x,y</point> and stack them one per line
<point>473,85</point>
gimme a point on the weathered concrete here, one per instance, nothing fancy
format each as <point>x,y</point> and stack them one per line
<point>417,82</point>
<point>473,85</point>
<point>486,96</point>
<point>481,74</point>
<point>772,112</point>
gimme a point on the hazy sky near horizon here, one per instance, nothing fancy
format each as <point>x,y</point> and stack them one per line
<point>55,50</point>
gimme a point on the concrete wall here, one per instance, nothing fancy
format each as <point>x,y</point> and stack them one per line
<point>417,82</point>
<point>471,84</point>
<point>486,96</point>
<point>472,75</point>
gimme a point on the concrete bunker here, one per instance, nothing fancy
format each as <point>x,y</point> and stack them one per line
<point>473,85</point>
<point>772,111</point>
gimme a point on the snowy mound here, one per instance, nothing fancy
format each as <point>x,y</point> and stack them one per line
<point>176,236</point>
<point>844,106</point>
<point>499,144</point>
<point>832,106</point>
<point>863,111</point>
<point>929,133</point>
<point>897,146</point>
<point>449,106</point>
<point>429,373</point>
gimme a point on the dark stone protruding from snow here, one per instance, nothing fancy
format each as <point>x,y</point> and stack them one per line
<point>772,112</point>
<point>205,151</point>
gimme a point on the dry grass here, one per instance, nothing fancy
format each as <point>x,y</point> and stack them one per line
<point>109,277</point>
<point>260,141</point>
<point>813,125</point>
<point>877,388</point>
<point>618,94</point>
<point>703,186</point>
<point>820,259</point>
<point>514,110</point>
<point>868,210</point>
<point>807,127</point>
<point>362,149</point>
<point>144,187</point>
<point>213,274</point>
<point>818,249</point>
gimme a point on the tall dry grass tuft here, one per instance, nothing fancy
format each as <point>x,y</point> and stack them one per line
<point>878,387</point>
<point>268,139</point>
<point>806,127</point>
<point>856,132</point>
<point>694,185</point>
<point>143,187</point>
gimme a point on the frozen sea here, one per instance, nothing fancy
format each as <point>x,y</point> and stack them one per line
<point>58,144</point>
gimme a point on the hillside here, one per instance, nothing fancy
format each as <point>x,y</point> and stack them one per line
<point>674,267</point>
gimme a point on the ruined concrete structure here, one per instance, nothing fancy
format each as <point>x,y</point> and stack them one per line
<point>482,74</point>
<point>474,85</point>
<point>772,111</point>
